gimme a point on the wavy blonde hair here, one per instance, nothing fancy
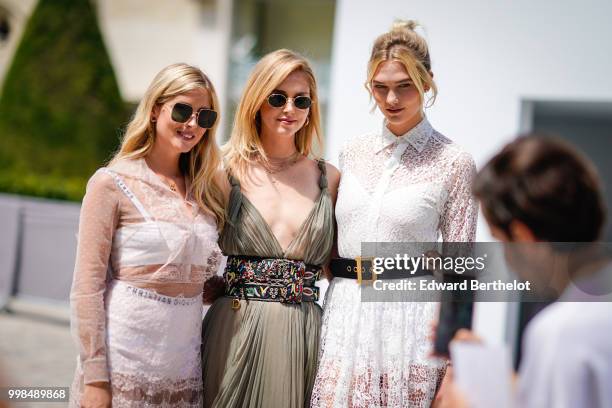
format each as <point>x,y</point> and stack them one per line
<point>199,164</point>
<point>245,142</point>
<point>404,45</point>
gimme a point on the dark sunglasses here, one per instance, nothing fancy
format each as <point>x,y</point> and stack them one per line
<point>181,112</point>
<point>280,100</point>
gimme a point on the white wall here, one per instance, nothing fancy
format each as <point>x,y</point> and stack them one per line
<point>38,242</point>
<point>142,37</point>
<point>486,57</point>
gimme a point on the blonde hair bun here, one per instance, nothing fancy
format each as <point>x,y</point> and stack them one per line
<point>402,25</point>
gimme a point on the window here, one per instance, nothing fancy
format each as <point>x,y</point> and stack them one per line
<point>262,26</point>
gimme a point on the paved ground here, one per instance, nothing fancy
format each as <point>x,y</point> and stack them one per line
<point>36,352</point>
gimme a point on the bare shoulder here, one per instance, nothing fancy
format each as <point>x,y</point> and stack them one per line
<point>333,175</point>
<point>222,181</point>
<point>333,179</point>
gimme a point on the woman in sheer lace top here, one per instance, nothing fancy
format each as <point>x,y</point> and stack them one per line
<point>406,183</point>
<point>147,242</point>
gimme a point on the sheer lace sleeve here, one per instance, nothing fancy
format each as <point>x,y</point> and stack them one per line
<point>458,219</point>
<point>97,224</point>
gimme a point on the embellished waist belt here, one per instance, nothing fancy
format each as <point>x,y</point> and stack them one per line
<point>270,279</point>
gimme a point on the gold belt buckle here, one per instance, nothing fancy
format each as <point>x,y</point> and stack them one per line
<point>235,304</point>
<point>359,270</point>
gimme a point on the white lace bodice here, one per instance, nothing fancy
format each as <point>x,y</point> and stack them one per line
<point>416,187</point>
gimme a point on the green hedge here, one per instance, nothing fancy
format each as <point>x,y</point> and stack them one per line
<point>39,185</point>
<point>60,107</point>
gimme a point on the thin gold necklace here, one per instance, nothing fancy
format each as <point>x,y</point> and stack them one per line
<point>275,165</point>
<point>169,182</point>
<point>165,179</point>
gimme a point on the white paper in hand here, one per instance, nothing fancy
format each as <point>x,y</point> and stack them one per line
<point>483,373</point>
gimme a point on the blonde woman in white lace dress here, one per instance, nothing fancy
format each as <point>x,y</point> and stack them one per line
<point>147,241</point>
<point>407,183</point>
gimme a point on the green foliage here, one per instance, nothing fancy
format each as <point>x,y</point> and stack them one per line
<point>60,108</point>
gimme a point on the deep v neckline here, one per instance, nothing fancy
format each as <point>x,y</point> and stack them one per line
<point>268,229</point>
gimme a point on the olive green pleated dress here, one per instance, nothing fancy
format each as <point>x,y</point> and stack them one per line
<point>264,354</point>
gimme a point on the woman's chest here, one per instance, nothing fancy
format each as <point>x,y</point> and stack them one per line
<point>400,202</point>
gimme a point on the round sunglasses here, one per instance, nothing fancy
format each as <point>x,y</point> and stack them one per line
<point>182,112</point>
<point>280,100</point>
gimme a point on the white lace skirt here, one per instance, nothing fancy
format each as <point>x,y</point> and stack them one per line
<point>375,354</point>
<point>153,348</point>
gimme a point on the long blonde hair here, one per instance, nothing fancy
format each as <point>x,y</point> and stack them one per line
<point>245,143</point>
<point>199,164</point>
<point>404,45</point>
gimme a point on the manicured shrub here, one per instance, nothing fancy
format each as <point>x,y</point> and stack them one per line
<point>60,107</point>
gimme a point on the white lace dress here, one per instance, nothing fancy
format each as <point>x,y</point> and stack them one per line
<point>413,188</point>
<point>143,255</point>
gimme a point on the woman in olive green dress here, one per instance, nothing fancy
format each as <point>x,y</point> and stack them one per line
<point>261,339</point>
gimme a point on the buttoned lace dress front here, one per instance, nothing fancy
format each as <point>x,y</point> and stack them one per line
<point>412,188</point>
